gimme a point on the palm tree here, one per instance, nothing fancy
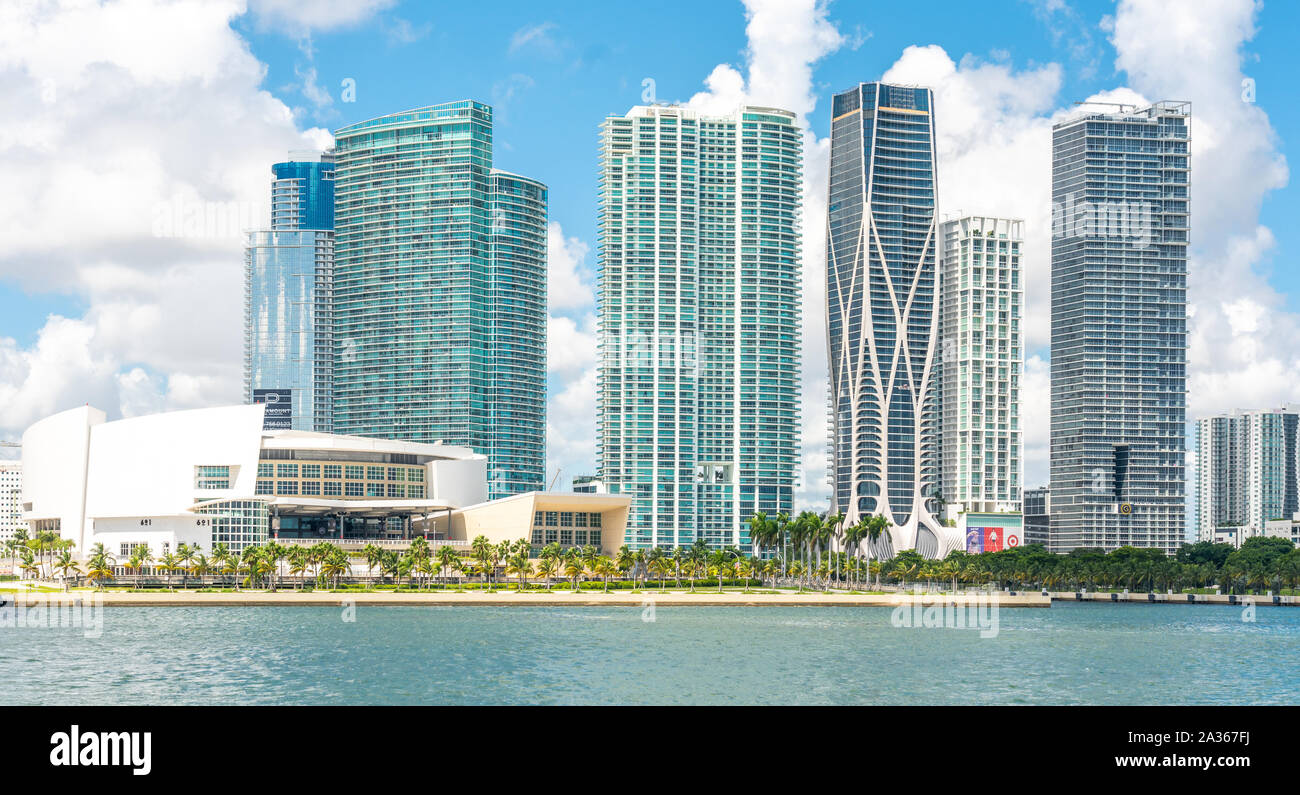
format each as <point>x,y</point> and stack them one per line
<point>661,565</point>
<point>482,551</point>
<point>168,563</point>
<point>719,563</point>
<point>200,567</point>
<point>297,564</point>
<point>546,568</point>
<point>519,565</point>
<point>184,556</point>
<point>573,567</point>
<point>66,565</point>
<point>448,559</point>
<point>373,556</point>
<point>627,562</point>
<point>335,564</point>
<point>604,568</point>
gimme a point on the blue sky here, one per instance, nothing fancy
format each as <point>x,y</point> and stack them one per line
<point>199,98</point>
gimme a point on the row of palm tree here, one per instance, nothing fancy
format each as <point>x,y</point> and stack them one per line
<point>810,534</point>
<point>37,554</point>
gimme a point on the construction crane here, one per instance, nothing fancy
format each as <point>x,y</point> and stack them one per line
<point>554,479</point>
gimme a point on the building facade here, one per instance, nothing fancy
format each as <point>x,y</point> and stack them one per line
<point>1119,328</point>
<point>982,356</point>
<point>217,476</point>
<point>882,320</point>
<point>288,298</point>
<point>1247,470</point>
<point>11,511</point>
<point>699,320</point>
<point>440,291</point>
<point>1038,515</point>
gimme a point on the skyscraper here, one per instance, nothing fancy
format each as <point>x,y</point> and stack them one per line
<point>882,321</point>
<point>698,308</point>
<point>981,294</point>
<point>1246,465</point>
<point>440,291</point>
<point>288,277</point>
<point>1119,328</point>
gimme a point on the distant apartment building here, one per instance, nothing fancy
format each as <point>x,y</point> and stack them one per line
<point>699,319</point>
<point>1247,473</point>
<point>11,508</point>
<point>982,355</point>
<point>1038,511</point>
<point>440,291</point>
<point>288,298</point>
<point>1120,196</point>
<point>588,484</point>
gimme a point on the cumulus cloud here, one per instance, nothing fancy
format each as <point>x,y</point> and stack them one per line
<point>136,140</point>
<point>303,16</point>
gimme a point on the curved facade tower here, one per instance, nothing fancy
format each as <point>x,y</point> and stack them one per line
<point>882,319</point>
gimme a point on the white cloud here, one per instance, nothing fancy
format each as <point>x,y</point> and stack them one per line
<point>118,121</point>
<point>300,16</point>
<point>537,37</point>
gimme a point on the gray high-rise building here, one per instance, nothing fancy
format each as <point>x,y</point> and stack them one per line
<point>1119,328</point>
<point>882,320</point>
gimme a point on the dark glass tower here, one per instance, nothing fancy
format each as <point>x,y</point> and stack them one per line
<point>882,322</point>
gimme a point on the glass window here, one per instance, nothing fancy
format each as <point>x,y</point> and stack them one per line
<point>265,487</point>
<point>396,490</point>
<point>566,519</point>
<point>552,519</point>
<point>537,536</point>
<point>374,489</point>
<point>539,518</point>
<point>566,538</point>
<point>594,537</point>
<point>265,470</point>
<point>396,473</point>
<point>311,470</point>
<point>580,519</point>
<point>580,538</point>
<point>333,471</point>
<point>415,492</point>
<point>595,520</point>
<point>552,535</point>
<point>286,470</point>
<point>415,475</point>
<point>374,473</point>
<point>310,487</point>
<point>354,472</point>
<point>286,487</point>
<point>332,489</point>
<point>353,489</point>
<point>212,477</point>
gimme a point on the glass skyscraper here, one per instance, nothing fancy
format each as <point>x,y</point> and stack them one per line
<point>1119,328</point>
<point>440,291</point>
<point>1246,470</point>
<point>699,313</point>
<point>980,298</point>
<point>882,319</point>
<point>288,276</point>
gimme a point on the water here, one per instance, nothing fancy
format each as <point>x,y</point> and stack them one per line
<point>1070,654</point>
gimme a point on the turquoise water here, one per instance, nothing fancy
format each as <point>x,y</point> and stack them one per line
<point>1070,654</point>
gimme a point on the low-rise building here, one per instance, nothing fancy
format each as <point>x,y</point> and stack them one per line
<point>216,476</point>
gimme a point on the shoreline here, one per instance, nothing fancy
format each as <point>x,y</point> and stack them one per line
<point>529,599</point>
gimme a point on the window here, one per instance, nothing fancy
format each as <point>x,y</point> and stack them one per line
<point>355,472</point>
<point>415,492</point>
<point>566,519</point>
<point>264,487</point>
<point>311,471</point>
<point>286,487</point>
<point>595,520</point>
<point>374,473</point>
<point>351,489</point>
<point>286,470</point>
<point>396,473</point>
<point>580,519</point>
<point>310,487</point>
<point>566,538</point>
<point>211,477</point>
<point>265,470</point>
<point>580,538</point>
<point>552,535</point>
<point>552,519</point>
<point>396,490</point>
<point>374,489</point>
<point>332,489</point>
<point>537,536</point>
<point>539,518</point>
<point>415,475</point>
<point>594,537</point>
<point>333,471</point>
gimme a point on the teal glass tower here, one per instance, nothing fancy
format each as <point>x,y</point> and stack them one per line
<point>440,291</point>
<point>698,320</point>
